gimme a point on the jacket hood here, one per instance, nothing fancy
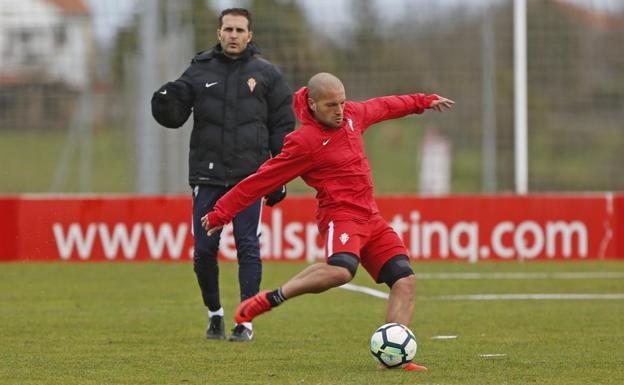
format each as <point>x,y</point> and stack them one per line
<point>217,51</point>
<point>301,107</point>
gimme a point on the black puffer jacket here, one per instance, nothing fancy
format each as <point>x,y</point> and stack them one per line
<point>242,111</point>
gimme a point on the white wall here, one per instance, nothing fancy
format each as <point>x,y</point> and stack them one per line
<point>70,61</point>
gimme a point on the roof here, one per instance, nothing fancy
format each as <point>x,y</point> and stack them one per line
<point>71,7</point>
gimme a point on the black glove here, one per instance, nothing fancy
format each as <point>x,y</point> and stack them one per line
<point>276,196</point>
<point>169,107</point>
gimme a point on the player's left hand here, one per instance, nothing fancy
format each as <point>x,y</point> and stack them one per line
<point>441,104</point>
<point>206,225</point>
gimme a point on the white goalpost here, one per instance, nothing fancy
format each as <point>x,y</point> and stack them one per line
<point>520,98</point>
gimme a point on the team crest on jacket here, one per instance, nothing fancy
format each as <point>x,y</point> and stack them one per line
<point>344,237</point>
<point>252,84</point>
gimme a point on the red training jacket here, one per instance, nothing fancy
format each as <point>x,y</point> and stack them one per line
<point>331,160</point>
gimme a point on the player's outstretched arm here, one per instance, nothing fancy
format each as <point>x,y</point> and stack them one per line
<point>441,104</point>
<point>292,162</point>
<point>397,106</point>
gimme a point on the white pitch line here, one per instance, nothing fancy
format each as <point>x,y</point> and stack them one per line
<point>510,275</point>
<point>443,337</point>
<point>537,296</point>
<point>365,290</point>
<point>492,297</point>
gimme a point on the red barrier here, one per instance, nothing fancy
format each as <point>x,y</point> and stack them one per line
<point>468,228</point>
<point>618,232</point>
<point>9,237</point>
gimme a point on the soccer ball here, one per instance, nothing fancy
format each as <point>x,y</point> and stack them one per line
<point>393,345</point>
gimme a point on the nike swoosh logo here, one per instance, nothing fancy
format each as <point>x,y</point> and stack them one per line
<point>208,85</point>
<point>164,92</point>
<point>325,142</point>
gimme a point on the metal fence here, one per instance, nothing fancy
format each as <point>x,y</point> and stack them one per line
<point>76,78</point>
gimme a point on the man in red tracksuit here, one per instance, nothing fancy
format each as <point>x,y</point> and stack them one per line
<point>327,151</point>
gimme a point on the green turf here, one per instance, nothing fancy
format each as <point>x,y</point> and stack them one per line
<point>31,160</point>
<point>143,323</point>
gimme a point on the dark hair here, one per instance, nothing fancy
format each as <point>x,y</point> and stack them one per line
<point>236,12</point>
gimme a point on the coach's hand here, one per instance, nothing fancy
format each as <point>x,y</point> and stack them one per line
<point>206,225</point>
<point>276,196</point>
<point>442,103</point>
<point>170,106</point>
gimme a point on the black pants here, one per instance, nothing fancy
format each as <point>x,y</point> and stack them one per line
<point>246,235</point>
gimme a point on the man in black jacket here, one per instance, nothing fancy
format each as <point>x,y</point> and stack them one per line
<point>242,111</point>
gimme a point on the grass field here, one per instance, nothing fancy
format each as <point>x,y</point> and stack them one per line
<point>31,158</point>
<point>143,323</point>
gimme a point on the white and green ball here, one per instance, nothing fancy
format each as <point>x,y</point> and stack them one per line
<point>393,345</point>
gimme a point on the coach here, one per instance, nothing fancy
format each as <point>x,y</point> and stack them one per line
<point>242,112</point>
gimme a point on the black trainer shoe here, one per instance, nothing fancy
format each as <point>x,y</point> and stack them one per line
<point>241,334</point>
<point>216,329</point>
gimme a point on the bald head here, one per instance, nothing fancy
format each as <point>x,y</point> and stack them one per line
<point>321,83</point>
<point>326,99</point>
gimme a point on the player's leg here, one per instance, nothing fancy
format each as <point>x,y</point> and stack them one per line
<point>205,259</point>
<point>340,268</point>
<point>385,258</point>
<point>343,240</point>
<point>317,278</point>
<point>246,235</point>
<point>399,276</point>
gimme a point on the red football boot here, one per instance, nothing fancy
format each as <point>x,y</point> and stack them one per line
<point>412,367</point>
<point>252,307</point>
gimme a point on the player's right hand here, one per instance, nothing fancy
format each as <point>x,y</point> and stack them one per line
<point>206,225</point>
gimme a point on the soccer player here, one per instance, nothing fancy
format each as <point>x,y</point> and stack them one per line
<point>327,151</point>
